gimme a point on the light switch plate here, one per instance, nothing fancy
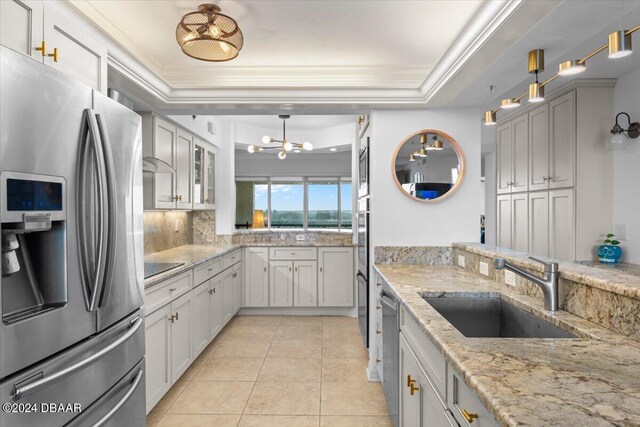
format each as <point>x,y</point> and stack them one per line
<point>509,278</point>
<point>300,237</point>
<point>461,261</point>
<point>484,268</point>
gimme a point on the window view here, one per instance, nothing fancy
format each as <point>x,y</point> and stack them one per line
<point>281,204</point>
<point>323,204</point>
<point>252,204</point>
<point>287,204</point>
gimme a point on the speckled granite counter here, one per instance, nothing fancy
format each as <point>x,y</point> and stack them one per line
<point>620,267</point>
<point>190,255</point>
<point>589,381</point>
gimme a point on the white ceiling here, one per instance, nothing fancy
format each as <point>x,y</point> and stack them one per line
<point>293,43</point>
<point>295,122</point>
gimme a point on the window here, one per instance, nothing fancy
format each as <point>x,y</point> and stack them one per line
<point>306,203</point>
<point>287,205</point>
<point>252,204</point>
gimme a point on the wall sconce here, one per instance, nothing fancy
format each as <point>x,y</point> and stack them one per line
<point>618,136</point>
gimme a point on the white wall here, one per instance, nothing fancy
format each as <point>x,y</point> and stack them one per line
<point>398,220</point>
<point>490,216</point>
<point>626,173</point>
<point>302,164</point>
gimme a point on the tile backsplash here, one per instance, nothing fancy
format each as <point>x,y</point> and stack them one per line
<point>166,230</point>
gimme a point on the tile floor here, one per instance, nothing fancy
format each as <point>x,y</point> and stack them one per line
<point>285,371</point>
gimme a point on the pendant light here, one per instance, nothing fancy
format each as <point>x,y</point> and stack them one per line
<point>536,65</point>
<point>489,118</point>
<point>209,35</point>
<point>619,44</point>
<point>510,103</point>
<point>284,146</point>
<point>571,67</point>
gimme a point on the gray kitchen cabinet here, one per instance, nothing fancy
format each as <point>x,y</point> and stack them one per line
<point>281,283</point>
<point>256,277</point>
<point>520,222</point>
<point>539,148</point>
<point>465,406</point>
<point>204,175</point>
<point>227,296</point>
<point>409,405</point>
<point>503,212</point>
<point>21,26</point>
<point>305,283</point>
<point>215,306</point>
<point>513,147</point>
<point>182,165</point>
<point>201,318</point>
<point>236,276</point>
<point>181,335</point>
<point>562,141</point>
<point>335,277</point>
<point>539,223</point>
<point>157,337</point>
<point>504,156</point>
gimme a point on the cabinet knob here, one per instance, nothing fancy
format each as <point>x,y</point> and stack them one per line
<point>469,416</point>
<point>54,55</point>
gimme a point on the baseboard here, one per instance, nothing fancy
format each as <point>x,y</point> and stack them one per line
<point>298,311</point>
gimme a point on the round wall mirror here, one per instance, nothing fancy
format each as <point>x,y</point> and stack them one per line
<point>428,165</point>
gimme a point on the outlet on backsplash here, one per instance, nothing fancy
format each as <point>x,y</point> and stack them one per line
<point>509,278</point>
<point>461,261</point>
<point>300,237</point>
<point>484,268</point>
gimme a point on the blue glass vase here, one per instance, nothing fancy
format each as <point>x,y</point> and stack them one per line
<point>609,253</point>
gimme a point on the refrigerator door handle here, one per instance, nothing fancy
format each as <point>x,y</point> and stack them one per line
<point>95,278</point>
<point>134,385</point>
<point>112,206</point>
<point>19,392</point>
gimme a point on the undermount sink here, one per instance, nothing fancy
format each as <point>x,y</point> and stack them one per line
<point>492,317</point>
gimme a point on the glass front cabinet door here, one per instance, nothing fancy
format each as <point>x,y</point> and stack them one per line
<point>204,175</point>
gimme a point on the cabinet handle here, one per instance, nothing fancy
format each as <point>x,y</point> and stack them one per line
<point>172,319</point>
<point>54,55</point>
<point>172,289</point>
<point>210,291</point>
<point>296,268</point>
<point>410,381</point>
<point>378,360</point>
<point>320,269</point>
<point>265,269</point>
<point>545,178</point>
<point>289,268</point>
<point>176,315</point>
<point>379,284</point>
<point>413,389</point>
<point>468,416</point>
<point>378,332</point>
<point>236,274</point>
<point>42,48</point>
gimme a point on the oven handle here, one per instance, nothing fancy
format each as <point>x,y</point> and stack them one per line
<point>18,393</point>
<point>134,385</point>
<point>389,301</point>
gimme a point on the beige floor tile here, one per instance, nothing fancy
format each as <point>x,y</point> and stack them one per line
<point>301,321</point>
<point>340,321</point>
<point>344,350</point>
<point>283,369</point>
<point>300,333</point>
<point>242,348</point>
<point>191,372</point>
<point>352,399</point>
<point>170,397</point>
<point>241,332</point>
<point>199,420</point>
<point>230,369</point>
<point>257,320</point>
<point>206,397</point>
<point>344,370</point>
<point>297,348</point>
<point>280,398</point>
<point>208,351</point>
<point>153,419</point>
<point>279,421</point>
<point>354,421</point>
<point>341,333</point>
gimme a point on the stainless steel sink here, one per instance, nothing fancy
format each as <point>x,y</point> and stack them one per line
<point>491,317</point>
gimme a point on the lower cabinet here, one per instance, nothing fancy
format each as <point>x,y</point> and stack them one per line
<point>256,277</point>
<point>202,315</point>
<point>215,306</point>
<point>335,277</point>
<point>236,275</point>
<point>281,283</point>
<point>305,283</point>
<point>157,337</point>
<point>181,335</point>
<point>227,296</point>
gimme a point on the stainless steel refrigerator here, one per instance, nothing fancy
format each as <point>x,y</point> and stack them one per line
<point>71,222</point>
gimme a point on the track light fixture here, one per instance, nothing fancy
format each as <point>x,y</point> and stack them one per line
<point>619,45</point>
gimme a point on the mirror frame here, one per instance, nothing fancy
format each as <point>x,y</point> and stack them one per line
<point>458,151</point>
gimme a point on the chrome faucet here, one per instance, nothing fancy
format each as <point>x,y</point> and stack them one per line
<point>548,283</point>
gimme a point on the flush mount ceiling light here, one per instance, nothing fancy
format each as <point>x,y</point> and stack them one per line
<point>209,35</point>
<point>284,144</point>
<point>619,45</point>
<point>618,136</point>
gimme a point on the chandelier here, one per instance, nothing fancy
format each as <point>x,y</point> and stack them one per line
<point>284,144</point>
<point>209,35</point>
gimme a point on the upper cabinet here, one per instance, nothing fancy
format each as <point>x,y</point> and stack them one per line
<point>38,30</point>
<point>204,175</point>
<point>513,144</point>
<point>193,184</point>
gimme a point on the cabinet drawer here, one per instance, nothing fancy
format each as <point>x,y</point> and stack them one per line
<point>207,270</point>
<point>428,354</point>
<point>167,291</point>
<point>462,398</point>
<point>292,253</point>
<point>231,259</point>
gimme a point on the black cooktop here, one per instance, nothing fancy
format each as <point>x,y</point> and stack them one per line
<point>153,268</point>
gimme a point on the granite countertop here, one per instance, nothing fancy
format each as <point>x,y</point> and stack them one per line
<point>620,267</point>
<point>190,255</point>
<point>592,380</point>
<point>617,281</point>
